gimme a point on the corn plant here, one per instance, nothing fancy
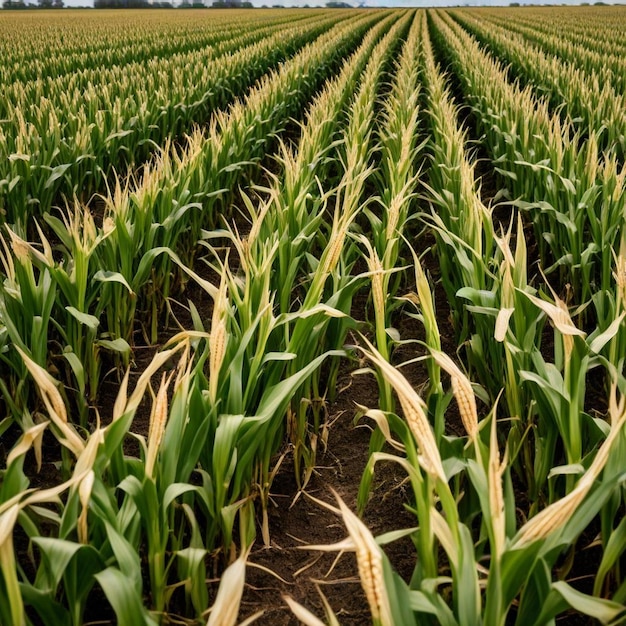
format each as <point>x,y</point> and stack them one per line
<point>290,218</point>
<point>26,306</point>
<point>143,225</point>
<point>551,170</point>
<point>462,224</point>
<point>516,581</point>
<point>119,506</point>
<point>397,179</point>
<point>79,128</point>
<point>333,269</point>
<point>57,50</point>
<point>582,51</point>
<point>310,131</point>
<point>587,96</point>
<point>296,203</point>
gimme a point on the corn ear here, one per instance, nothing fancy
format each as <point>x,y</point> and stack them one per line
<point>218,338</point>
<point>413,407</point>
<point>554,516</point>
<point>158,420</point>
<point>370,564</point>
<point>463,392</point>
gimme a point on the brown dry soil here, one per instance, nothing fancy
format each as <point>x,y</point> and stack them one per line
<point>297,521</point>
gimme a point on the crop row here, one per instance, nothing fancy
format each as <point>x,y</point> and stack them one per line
<point>321,176</point>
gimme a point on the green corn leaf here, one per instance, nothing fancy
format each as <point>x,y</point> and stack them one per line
<point>432,604</point>
<point>79,577</point>
<point>572,468</point>
<point>615,548</point>
<point>126,602</point>
<point>118,135</point>
<point>88,320</point>
<point>56,555</point>
<point>192,569</point>
<point>515,570</point>
<point>118,345</point>
<point>56,173</point>
<point>51,612</point>
<point>106,276</point>
<point>145,265</point>
<point>175,490</point>
<point>598,342</point>
<point>275,402</point>
<point>126,556</point>
<point>60,230</point>
<point>279,356</point>
<point>399,596</point>
<point>563,596</point>
<point>77,369</point>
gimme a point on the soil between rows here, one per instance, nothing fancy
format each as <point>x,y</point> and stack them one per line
<point>297,521</point>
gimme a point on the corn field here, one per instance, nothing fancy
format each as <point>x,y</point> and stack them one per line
<point>211,220</point>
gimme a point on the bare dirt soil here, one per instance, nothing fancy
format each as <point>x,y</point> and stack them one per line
<point>297,521</point>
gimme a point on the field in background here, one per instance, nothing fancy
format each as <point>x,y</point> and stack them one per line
<point>229,237</point>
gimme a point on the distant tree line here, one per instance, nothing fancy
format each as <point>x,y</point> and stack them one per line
<point>130,4</point>
<point>231,4</point>
<point>186,4</point>
<point>41,4</point>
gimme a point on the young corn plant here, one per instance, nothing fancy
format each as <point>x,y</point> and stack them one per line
<point>512,320</point>
<point>254,378</point>
<point>584,99</point>
<point>396,179</point>
<point>119,507</point>
<point>64,563</point>
<point>75,281</point>
<point>330,280</point>
<point>554,171</point>
<point>319,323</point>
<point>165,508</point>
<point>65,137</point>
<point>423,463</point>
<point>295,209</point>
<point>499,571</point>
<point>559,390</point>
<point>57,555</point>
<point>461,223</point>
<point>27,297</point>
<point>98,534</point>
<point>146,233</point>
